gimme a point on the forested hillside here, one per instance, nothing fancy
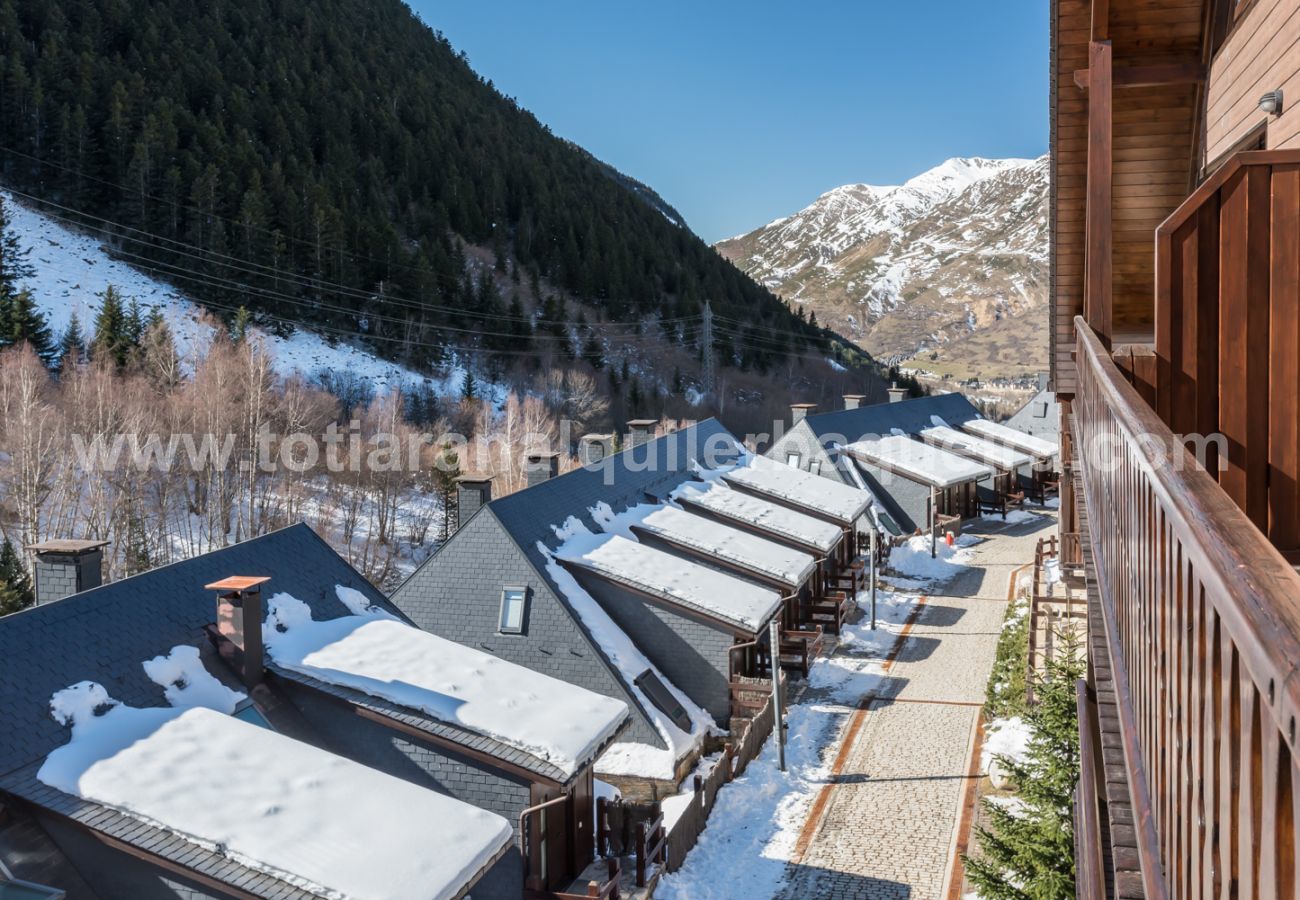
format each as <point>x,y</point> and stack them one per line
<point>337,163</point>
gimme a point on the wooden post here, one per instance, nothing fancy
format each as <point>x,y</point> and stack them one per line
<point>1098,278</point>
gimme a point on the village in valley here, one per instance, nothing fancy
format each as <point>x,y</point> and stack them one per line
<point>399,502</point>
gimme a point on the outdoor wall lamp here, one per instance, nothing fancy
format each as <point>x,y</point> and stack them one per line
<point>1271,103</point>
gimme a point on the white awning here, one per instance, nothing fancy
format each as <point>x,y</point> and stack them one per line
<point>821,496</point>
<point>715,594</point>
<point>728,545</point>
<point>997,455</point>
<point>913,459</point>
<point>1039,448</point>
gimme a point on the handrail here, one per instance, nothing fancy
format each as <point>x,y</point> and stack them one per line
<point>523,825</point>
<point>1231,555</point>
<point>1210,186</point>
<point>1202,624</point>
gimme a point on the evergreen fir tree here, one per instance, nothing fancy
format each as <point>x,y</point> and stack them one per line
<point>678,387</point>
<point>111,336</point>
<point>73,342</point>
<point>469,389</point>
<point>135,322</point>
<point>137,558</point>
<point>239,324</point>
<point>27,323</point>
<point>16,591</point>
<point>445,473</point>
<point>14,265</point>
<point>1027,853</point>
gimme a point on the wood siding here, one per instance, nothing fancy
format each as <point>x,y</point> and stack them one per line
<point>1152,127</point>
<point>1262,53</point>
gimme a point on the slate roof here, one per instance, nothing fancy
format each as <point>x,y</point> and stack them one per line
<point>624,479</point>
<point>148,838</point>
<point>845,426</point>
<point>106,633</point>
<point>471,740</point>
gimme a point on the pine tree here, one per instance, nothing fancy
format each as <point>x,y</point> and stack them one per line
<point>73,341</point>
<point>137,558</point>
<point>14,265</point>
<point>1027,853</point>
<point>111,338</point>
<point>16,590</point>
<point>239,324</point>
<point>469,388</point>
<point>135,322</point>
<point>26,323</point>
<point>445,473</point>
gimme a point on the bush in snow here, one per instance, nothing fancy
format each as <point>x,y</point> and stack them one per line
<point>1027,852</point>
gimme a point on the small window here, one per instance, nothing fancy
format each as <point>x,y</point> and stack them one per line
<point>815,466</point>
<point>514,601</point>
<point>793,459</point>
<point>1040,410</point>
<point>663,699</point>
<point>253,716</point>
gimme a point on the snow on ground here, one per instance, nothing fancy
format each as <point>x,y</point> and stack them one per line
<point>384,657</point>
<point>1014,517</point>
<point>1006,737</point>
<point>759,816</point>
<point>73,267</point>
<point>199,773</point>
<point>912,559</point>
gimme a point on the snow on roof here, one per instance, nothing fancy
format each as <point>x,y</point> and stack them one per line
<point>1039,448</point>
<point>918,461</point>
<point>730,545</point>
<point>381,656</point>
<point>281,807</point>
<point>626,757</point>
<point>801,488</point>
<point>708,591</point>
<point>997,455</point>
<point>763,514</point>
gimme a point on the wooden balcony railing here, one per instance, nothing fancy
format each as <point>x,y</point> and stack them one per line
<point>1227,337</point>
<point>1202,621</point>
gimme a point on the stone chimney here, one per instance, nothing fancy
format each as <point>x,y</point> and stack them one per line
<point>541,467</point>
<point>801,411</point>
<point>639,431</point>
<point>1042,381</point>
<point>239,622</point>
<point>592,448</point>
<point>896,393</point>
<point>853,401</point>
<point>472,491</point>
<point>67,567</point>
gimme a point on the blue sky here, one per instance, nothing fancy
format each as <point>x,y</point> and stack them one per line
<point>740,112</point>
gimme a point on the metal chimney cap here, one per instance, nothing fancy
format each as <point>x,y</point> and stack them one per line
<point>642,423</point>
<point>64,545</point>
<point>237,583</point>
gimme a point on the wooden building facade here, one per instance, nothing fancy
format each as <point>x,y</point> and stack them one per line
<point>1175,260</point>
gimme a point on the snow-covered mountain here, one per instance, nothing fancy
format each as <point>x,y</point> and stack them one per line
<point>953,263</point>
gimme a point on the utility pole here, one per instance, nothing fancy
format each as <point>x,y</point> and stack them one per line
<point>874,538</point>
<point>706,339</point>
<point>778,727</point>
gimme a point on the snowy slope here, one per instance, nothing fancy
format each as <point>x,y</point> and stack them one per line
<point>73,267</point>
<point>905,269</point>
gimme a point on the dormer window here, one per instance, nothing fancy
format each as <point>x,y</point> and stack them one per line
<point>815,466</point>
<point>514,603</point>
<point>793,459</point>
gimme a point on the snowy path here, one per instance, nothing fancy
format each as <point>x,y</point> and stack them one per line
<point>880,752</point>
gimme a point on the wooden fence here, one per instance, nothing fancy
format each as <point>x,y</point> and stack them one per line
<point>668,851</point>
<point>1202,623</point>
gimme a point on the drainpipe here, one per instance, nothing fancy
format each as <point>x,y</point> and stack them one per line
<point>934,523</point>
<point>778,725</point>
<point>872,570</point>
<point>523,827</point>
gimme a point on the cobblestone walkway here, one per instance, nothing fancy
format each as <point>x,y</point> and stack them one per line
<point>886,825</point>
